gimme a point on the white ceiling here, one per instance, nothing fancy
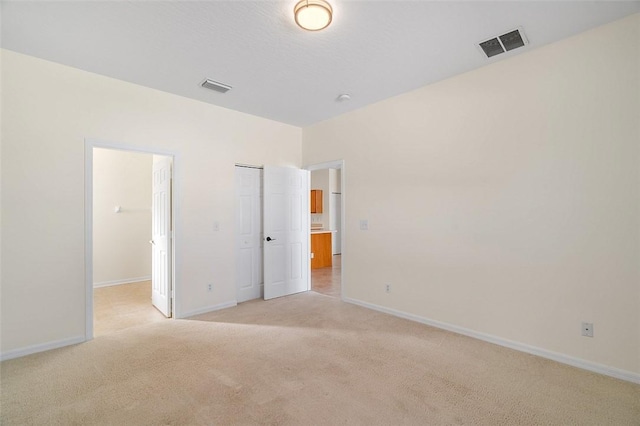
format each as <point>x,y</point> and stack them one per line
<point>373,49</point>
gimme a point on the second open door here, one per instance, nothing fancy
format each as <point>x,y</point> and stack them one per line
<point>286,231</point>
<point>161,235</point>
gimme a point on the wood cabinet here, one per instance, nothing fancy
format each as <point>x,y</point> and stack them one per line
<point>321,249</point>
<point>316,201</point>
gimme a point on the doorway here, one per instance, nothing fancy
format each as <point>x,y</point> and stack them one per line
<point>326,228</point>
<point>129,253</point>
<point>254,231</point>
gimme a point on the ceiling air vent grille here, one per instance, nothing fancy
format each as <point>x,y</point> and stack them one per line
<point>215,86</point>
<point>504,43</point>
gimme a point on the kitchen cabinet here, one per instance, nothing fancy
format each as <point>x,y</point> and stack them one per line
<point>321,249</point>
<point>316,201</point>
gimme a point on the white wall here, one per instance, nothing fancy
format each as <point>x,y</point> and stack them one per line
<point>45,123</point>
<point>121,249</point>
<point>506,200</point>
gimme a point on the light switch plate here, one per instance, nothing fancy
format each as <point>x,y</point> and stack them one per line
<point>364,225</point>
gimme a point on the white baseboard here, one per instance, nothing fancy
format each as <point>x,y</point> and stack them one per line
<point>207,309</point>
<point>124,281</point>
<point>564,359</point>
<point>29,350</point>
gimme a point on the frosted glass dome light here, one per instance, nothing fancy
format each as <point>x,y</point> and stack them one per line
<point>313,15</point>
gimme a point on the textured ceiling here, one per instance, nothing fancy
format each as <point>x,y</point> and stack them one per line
<point>373,49</point>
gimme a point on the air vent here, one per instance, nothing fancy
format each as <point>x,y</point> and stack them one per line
<point>492,47</point>
<point>512,40</point>
<point>215,86</point>
<point>504,43</point>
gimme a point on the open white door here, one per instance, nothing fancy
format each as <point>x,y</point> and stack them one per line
<point>286,231</point>
<point>161,235</point>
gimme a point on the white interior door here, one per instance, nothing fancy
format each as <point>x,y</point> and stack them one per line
<point>286,231</point>
<point>161,235</point>
<point>248,233</point>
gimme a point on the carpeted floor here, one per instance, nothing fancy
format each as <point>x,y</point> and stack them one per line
<point>122,306</point>
<point>306,359</point>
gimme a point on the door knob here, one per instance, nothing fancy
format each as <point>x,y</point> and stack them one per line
<point>270,239</point>
<point>152,242</point>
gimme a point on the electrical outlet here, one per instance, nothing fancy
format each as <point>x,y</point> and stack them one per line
<point>587,329</point>
<point>387,288</point>
<point>210,287</point>
<point>216,226</point>
<point>364,225</point>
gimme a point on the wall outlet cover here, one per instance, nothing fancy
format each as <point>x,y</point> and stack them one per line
<point>587,329</point>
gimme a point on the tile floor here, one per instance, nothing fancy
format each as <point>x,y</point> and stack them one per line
<point>328,280</point>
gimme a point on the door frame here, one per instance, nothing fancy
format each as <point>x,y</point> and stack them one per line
<point>336,164</point>
<point>89,145</point>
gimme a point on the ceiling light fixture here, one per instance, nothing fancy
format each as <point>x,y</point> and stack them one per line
<point>313,15</point>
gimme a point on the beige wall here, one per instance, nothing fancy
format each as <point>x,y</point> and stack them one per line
<point>48,111</point>
<point>505,200</point>
<point>121,249</point>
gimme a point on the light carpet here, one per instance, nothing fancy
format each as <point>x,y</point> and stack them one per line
<point>122,306</point>
<point>306,359</point>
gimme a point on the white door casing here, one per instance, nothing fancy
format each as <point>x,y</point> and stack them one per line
<point>336,215</point>
<point>286,231</point>
<point>248,233</point>
<point>161,235</point>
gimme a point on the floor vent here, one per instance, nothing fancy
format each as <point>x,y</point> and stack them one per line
<point>214,85</point>
<point>504,43</point>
